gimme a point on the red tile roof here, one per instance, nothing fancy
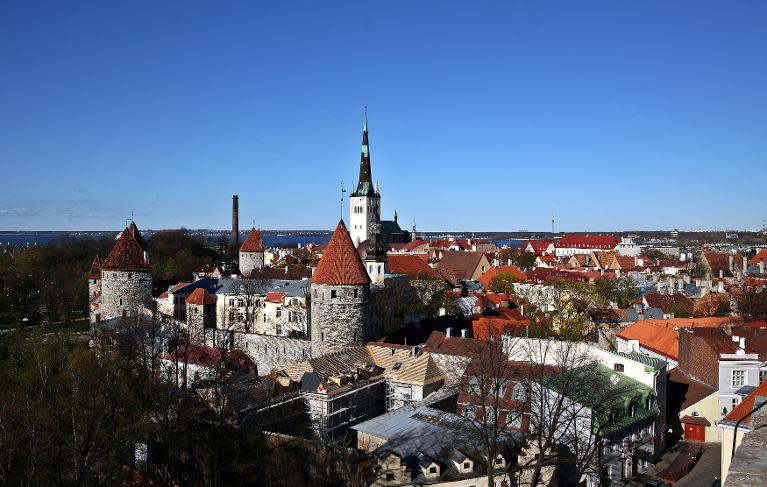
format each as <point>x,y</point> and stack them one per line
<point>760,257</point>
<point>589,241</point>
<point>488,276</point>
<point>746,405</point>
<point>340,264</point>
<point>253,242</point>
<point>661,336</point>
<point>275,296</point>
<point>200,297</point>
<point>127,254</point>
<point>95,272</point>
<point>411,264</point>
<point>208,356</point>
<point>539,246</point>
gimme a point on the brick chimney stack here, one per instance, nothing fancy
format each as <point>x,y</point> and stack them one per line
<point>235,222</point>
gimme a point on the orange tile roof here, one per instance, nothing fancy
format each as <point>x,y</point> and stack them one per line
<point>127,254</point>
<point>760,257</point>
<point>275,296</point>
<point>488,276</point>
<point>200,296</point>
<point>340,264</point>
<point>661,336</point>
<point>746,405</point>
<point>95,272</point>
<point>253,242</point>
<point>410,264</point>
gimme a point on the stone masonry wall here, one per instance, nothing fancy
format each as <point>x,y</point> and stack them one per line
<point>339,321</point>
<point>268,351</point>
<point>250,261</point>
<point>123,291</point>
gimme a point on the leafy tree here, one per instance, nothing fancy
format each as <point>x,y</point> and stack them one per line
<point>526,260</point>
<point>680,311</point>
<point>503,282</point>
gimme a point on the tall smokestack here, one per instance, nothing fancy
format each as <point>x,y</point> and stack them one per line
<point>235,222</point>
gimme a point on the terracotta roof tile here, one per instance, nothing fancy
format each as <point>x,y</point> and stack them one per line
<point>488,276</point>
<point>410,264</point>
<point>253,242</point>
<point>760,257</point>
<point>661,336</point>
<point>95,272</point>
<point>589,241</point>
<point>746,405</point>
<point>200,297</point>
<point>340,264</point>
<point>127,254</point>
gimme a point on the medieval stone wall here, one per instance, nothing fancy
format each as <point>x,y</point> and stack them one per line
<point>267,351</point>
<point>340,316</point>
<point>249,261</point>
<point>124,292</point>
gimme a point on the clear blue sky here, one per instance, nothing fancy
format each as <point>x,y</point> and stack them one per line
<point>611,115</point>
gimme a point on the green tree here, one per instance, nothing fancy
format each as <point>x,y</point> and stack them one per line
<point>526,260</point>
<point>503,282</point>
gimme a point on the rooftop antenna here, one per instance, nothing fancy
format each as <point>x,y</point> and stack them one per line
<point>343,190</point>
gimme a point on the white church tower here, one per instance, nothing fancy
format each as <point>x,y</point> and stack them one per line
<point>365,202</point>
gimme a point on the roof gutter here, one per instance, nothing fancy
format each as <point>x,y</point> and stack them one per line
<point>735,433</point>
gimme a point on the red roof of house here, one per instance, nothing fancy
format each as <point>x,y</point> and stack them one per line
<point>488,276</point>
<point>95,272</point>
<point>746,405</point>
<point>253,242</point>
<point>275,296</point>
<point>410,264</point>
<point>589,241</point>
<point>200,296</point>
<point>484,327</point>
<point>208,356</point>
<point>539,246</point>
<point>127,254</point>
<point>759,257</point>
<point>415,244</point>
<point>661,336</point>
<point>340,264</point>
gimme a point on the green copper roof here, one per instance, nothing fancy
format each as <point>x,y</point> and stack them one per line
<point>616,399</point>
<point>651,362</point>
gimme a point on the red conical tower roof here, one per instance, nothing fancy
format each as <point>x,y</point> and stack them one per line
<point>200,296</point>
<point>127,253</point>
<point>340,264</point>
<point>95,272</point>
<point>133,229</point>
<point>253,243</point>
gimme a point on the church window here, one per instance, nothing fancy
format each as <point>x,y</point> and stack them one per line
<point>121,301</point>
<point>355,293</point>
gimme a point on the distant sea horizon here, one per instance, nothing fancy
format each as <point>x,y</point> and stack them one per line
<point>274,238</point>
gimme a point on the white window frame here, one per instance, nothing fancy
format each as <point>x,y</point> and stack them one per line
<point>742,378</point>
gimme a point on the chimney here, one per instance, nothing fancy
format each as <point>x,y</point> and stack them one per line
<point>745,264</point>
<point>235,222</point>
<point>721,273</point>
<point>680,284</point>
<point>464,332</point>
<point>448,331</point>
<point>720,287</point>
<point>731,261</point>
<point>761,267</point>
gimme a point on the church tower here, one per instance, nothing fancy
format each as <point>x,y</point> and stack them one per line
<point>365,202</point>
<point>340,297</point>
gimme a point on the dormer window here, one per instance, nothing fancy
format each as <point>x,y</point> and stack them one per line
<point>433,469</point>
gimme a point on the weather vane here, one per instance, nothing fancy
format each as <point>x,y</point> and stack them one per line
<point>343,190</point>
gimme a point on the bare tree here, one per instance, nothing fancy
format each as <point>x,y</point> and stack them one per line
<point>493,400</point>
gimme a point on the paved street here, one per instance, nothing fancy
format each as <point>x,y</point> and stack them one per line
<point>702,475</point>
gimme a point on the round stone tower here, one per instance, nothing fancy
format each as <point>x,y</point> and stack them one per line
<point>126,277</point>
<point>252,253</point>
<point>340,297</point>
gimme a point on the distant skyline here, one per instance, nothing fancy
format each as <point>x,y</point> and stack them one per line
<point>489,116</point>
